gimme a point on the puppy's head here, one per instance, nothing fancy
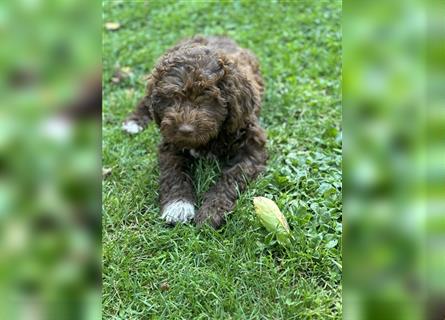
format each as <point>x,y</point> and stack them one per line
<point>195,93</point>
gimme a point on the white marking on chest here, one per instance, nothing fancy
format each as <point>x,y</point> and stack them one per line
<point>178,211</point>
<point>131,127</point>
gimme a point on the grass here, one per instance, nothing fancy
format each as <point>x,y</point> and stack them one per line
<point>239,272</point>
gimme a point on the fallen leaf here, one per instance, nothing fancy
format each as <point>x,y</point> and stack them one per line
<point>112,26</point>
<point>126,70</point>
<point>164,286</point>
<point>120,74</point>
<point>106,172</point>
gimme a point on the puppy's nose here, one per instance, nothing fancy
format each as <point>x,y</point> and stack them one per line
<point>186,129</point>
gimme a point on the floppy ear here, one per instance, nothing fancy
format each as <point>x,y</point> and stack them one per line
<point>146,103</point>
<point>142,112</point>
<point>241,97</point>
<point>141,115</point>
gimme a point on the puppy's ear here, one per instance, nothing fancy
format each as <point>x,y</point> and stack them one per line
<point>243,99</point>
<point>143,111</point>
<point>140,117</point>
<point>146,103</point>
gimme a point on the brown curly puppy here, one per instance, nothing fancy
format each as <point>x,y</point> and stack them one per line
<point>205,96</point>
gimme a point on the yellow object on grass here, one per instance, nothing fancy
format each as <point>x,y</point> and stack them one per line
<point>272,219</point>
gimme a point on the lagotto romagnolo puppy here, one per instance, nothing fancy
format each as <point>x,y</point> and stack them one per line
<point>205,96</point>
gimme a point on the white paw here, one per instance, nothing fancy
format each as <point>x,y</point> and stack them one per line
<point>178,211</point>
<point>131,127</point>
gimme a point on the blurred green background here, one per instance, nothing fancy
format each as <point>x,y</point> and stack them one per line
<point>49,160</point>
<point>394,160</point>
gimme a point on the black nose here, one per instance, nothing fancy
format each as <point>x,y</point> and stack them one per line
<point>185,129</point>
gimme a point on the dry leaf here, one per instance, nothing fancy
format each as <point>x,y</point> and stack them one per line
<point>106,172</point>
<point>164,286</point>
<point>112,26</point>
<point>120,74</point>
<point>126,71</point>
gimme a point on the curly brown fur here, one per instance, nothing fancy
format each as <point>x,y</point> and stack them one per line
<point>205,96</point>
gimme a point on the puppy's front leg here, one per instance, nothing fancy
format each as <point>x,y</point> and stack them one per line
<point>176,188</point>
<point>245,166</point>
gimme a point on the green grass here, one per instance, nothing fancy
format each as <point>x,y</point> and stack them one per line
<point>239,271</point>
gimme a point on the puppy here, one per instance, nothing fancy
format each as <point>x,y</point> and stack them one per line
<point>205,96</point>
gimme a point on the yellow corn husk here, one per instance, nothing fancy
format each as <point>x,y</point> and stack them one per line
<point>272,219</point>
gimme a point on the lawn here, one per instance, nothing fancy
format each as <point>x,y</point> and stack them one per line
<point>240,272</point>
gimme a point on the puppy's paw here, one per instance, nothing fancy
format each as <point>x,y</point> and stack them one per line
<point>179,211</point>
<point>211,216</point>
<point>131,127</point>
